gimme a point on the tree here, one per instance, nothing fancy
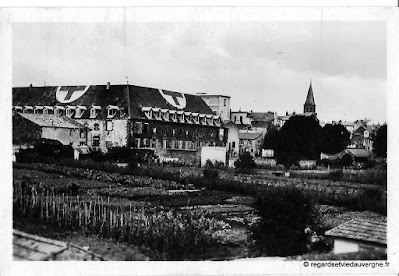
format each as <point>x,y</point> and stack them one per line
<point>271,139</point>
<point>299,138</point>
<point>245,162</point>
<point>380,142</point>
<point>334,138</point>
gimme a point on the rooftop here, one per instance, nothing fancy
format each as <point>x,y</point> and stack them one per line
<point>45,120</point>
<point>361,230</point>
<point>249,135</point>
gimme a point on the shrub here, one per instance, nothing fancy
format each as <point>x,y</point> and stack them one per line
<point>336,175</point>
<point>285,213</point>
<point>211,173</point>
<point>245,162</point>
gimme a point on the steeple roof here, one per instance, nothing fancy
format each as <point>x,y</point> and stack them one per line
<point>309,97</point>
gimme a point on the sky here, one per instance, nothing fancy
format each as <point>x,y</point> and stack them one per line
<point>261,65</point>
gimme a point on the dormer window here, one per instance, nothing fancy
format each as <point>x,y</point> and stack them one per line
<point>94,110</point>
<point>209,120</point>
<point>195,118</point>
<point>173,116</point>
<point>28,109</point>
<point>180,116</point>
<point>70,110</point>
<point>112,110</point>
<point>147,112</point>
<point>80,109</point>
<point>156,112</point>
<point>59,110</point>
<point>165,114</point>
<point>48,110</point>
<point>38,109</point>
<point>18,108</point>
<point>202,119</point>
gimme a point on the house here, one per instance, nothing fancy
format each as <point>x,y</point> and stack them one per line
<point>30,128</point>
<point>220,104</point>
<point>233,139</point>
<point>172,124</point>
<point>359,235</point>
<point>250,142</point>
<point>357,155</point>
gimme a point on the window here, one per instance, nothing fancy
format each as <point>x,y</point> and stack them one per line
<point>154,130</point>
<point>82,143</point>
<point>109,126</point>
<point>225,102</point>
<point>145,128</point>
<point>69,112</point>
<point>112,111</point>
<point>82,133</point>
<point>233,144</point>
<point>96,127</point>
<point>93,113</point>
<point>96,141</point>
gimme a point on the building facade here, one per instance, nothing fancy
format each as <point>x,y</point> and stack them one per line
<point>219,104</point>
<point>170,123</point>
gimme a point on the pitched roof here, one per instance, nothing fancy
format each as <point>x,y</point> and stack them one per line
<point>52,121</point>
<point>363,153</point>
<point>361,230</point>
<point>123,96</point>
<point>262,116</point>
<point>249,135</point>
<point>309,97</point>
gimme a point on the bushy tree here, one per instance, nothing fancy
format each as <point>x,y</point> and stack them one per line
<point>299,138</point>
<point>285,215</point>
<point>380,142</point>
<point>271,139</point>
<point>334,138</point>
<point>245,162</point>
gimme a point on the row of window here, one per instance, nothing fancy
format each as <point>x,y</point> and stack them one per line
<point>179,116</point>
<point>144,128</point>
<point>170,144</point>
<point>70,111</point>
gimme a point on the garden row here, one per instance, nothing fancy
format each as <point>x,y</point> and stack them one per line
<point>173,235</point>
<point>357,197</point>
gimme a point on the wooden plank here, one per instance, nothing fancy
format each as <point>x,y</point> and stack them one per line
<point>34,237</point>
<point>28,254</point>
<point>38,246</point>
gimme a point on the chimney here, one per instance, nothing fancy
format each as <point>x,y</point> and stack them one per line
<point>286,113</point>
<point>108,85</point>
<point>30,87</point>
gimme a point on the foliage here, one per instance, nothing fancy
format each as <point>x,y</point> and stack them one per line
<point>285,214</point>
<point>334,138</point>
<point>299,138</point>
<point>174,235</point>
<point>380,142</point>
<point>245,162</point>
<point>336,175</point>
<point>271,139</point>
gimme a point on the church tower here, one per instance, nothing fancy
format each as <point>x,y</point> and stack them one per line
<point>310,105</point>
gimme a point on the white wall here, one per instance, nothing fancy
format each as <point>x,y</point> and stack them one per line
<point>64,135</point>
<point>345,246</point>
<point>214,154</point>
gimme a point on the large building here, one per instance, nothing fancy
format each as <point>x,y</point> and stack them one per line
<point>173,124</point>
<point>219,104</point>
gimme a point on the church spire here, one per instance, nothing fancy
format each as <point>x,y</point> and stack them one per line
<point>310,105</point>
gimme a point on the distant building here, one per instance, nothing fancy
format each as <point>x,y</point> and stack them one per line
<point>219,104</point>
<point>251,142</point>
<point>309,109</point>
<point>232,139</point>
<point>30,128</point>
<point>254,121</point>
<point>361,133</point>
<point>359,236</point>
<point>310,105</point>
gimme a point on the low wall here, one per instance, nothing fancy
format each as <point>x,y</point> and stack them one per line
<point>215,154</point>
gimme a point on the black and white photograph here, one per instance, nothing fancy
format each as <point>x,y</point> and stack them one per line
<point>226,138</point>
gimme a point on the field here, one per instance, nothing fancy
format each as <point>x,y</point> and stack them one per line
<point>220,220</point>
